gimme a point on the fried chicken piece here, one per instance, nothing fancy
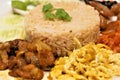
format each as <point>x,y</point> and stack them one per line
<point>46,58</point>
<point>28,72</point>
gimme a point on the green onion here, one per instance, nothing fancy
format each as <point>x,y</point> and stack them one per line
<point>49,15</point>
<point>47,7</point>
<point>19,5</point>
<point>62,15</point>
<point>59,14</point>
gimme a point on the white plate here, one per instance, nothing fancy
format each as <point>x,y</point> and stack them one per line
<point>5,8</point>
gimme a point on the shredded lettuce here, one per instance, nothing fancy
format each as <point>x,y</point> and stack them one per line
<point>12,27</point>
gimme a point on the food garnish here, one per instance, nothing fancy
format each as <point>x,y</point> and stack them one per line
<point>91,62</point>
<point>59,14</point>
<point>19,5</point>
<point>49,16</point>
<point>22,7</point>
<point>47,7</point>
<point>62,15</point>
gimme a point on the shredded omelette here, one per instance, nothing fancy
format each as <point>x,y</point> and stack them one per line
<point>90,62</point>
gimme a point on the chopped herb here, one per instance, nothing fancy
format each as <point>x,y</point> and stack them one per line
<point>19,5</point>
<point>62,15</point>
<point>49,15</point>
<point>47,7</point>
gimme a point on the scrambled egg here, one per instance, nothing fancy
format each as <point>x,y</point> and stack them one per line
<point>91,62</point>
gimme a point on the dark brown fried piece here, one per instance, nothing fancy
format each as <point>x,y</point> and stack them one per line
<point>46,58</point>
<point>103,10</point>
<point>111,27</point>
<point>22,45</point>
<point>29,56</point>
<point>103,22</point>
<point>28,67</point>
<point>14,43</point>
<point>5,46</point>
<point>15,62</point>
<point>21,62</point>
<point>28,72</point>
<point>23,74</point>
<point>13,73</point>
<point>116,9</point>
<point>31,47</point>
<point>32,58</point>
<point>12,62</point>
<point>4,56</point>
<point>4,49</point>
<point>37,74</point>
<point>13,47</point>
<point>45,54</point>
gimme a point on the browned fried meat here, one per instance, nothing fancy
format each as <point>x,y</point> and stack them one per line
<point>29,71</point>
<point>45,58</point>
<point>108,10</point>
<point>26,59</point>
